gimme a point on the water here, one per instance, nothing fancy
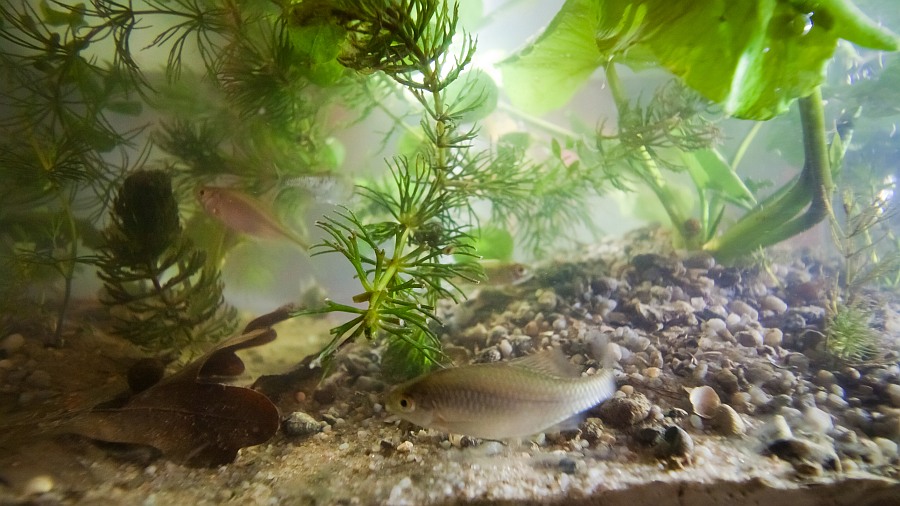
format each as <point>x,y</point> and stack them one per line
<point>711,214</point>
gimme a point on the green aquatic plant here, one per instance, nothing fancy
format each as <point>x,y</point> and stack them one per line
<point>161,295</point>
<point>849,336</point>
<point>398,257</point>
<point>753,59</point>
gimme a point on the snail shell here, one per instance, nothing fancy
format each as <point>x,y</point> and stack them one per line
<point>727,421</point>
<point>705,401</point>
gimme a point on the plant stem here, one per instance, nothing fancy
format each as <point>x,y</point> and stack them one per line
<point>68,269</point>
<point>745,143</point>
<point>775,220</point>
<point>543,124</point>
<point>649,170</point>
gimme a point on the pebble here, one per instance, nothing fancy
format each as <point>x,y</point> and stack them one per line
<point>12,343</point>
<point>39,379</point>
<point>405,447</point>
<point>773,337</point>
<point>714,325</point>
<point>623,412</point>
<point>774,304</point>
<point>40,484</point>
<point>727,380</point>
<point>893,391</point>
<point>499,332</point>
<point>567,465</point>
<point>888,447</point>
<point>476,333</point>
<point>837,402</point>
<point>742,308</point>
<point>547,300</point>
<point>817,420</point>
<point>750,338</point>
<point>824,378</point>
<point>560,324</point>
<point>506,348</point>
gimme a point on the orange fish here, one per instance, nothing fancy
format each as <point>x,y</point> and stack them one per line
<point>245,214</point>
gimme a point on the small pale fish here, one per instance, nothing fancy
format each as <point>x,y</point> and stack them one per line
<point>504,399</point>
<point>498,273</point>
<point>245,214</point>
<point>505,273</point>
<point>327,187</point>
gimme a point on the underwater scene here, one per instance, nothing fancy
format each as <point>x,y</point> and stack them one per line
<point>413,252</point>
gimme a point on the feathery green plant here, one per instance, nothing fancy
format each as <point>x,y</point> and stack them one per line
<point>155,281</point>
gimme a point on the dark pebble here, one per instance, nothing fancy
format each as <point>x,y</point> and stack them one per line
<point>567,465</point>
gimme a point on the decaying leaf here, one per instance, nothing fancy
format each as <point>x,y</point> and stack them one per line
<point>189,416</point>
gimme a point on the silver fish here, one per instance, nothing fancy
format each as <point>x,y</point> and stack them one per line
<point>501,400</point>
<point>245,214</point>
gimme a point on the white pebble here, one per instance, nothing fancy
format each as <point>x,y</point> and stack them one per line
<point>773,303</point>
<point>888,447</point>
<point>505,348</point>
<point>696,422</point>
<point>12,343</point>
<point>817,420</point>
<point>893,390</point>
<point>40,484</point>
<point>405,447</point>
<point>773,337</point>
<point>714,325</point>
<point>742,308</point>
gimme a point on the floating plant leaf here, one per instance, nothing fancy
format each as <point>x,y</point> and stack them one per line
<point>754,57</point>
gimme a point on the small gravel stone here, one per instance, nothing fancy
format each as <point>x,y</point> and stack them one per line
<point>893,392</point>
<point>750,338</point>
<point>12,343</point>
<point>567,465</point>
<point>39,379</point>
<point>773,337</point>
<point>742,308</point>
<point>506,348</point>
<point>623,412</point>
<point>774,304</point>
<point>499,332</point>
<point>37,485</point>
<point>547,300</point>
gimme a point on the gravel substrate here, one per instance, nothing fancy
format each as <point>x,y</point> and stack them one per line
<point>783,423</point>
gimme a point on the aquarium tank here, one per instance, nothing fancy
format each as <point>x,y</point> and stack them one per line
<point>447,252</point>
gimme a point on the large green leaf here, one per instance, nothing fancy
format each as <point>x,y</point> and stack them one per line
<point>753,56</point>
<point>546,74</point>
<point>710,171</point>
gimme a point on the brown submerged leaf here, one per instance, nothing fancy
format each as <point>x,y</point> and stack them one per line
<point>190,417</point>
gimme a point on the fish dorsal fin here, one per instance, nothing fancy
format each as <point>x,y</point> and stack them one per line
<point>551,362</point>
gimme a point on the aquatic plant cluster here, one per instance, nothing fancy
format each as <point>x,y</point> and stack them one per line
<point>280,80</point>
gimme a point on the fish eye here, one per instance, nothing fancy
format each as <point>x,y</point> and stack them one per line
<point>406,403</point>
